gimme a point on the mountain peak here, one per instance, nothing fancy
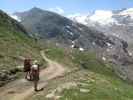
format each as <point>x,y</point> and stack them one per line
<point>35,9</point>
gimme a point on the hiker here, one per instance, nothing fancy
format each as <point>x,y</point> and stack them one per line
<point>35,74</point>
<point>27,68</point>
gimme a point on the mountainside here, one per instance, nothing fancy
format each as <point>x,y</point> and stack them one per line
<point>15,45</point>
<point>48,25</point>
<point>118,22</point>
<point>45,25</point>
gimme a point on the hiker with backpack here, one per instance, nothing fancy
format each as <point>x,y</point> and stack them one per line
<point>27,68</point>
<point>35,71</point>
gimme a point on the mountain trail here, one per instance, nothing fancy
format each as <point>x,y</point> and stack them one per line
<point>22,89</point>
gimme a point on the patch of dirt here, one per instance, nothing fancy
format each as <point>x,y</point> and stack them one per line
<point>22,89</point>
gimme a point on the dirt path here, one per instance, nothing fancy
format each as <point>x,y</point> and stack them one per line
<point>21,89</point>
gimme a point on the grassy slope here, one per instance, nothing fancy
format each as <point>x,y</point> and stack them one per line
<point>14,44</point>
<point>99,82</point>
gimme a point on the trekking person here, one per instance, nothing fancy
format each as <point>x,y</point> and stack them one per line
<point>35,74</point>
<point>27,68</point>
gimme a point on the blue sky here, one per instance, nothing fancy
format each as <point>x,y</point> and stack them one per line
<point>65,6</point>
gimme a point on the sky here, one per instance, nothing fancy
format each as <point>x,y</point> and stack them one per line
<point>64,6</point>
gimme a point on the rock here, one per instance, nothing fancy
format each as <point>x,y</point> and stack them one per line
<point>15,70</point>
<point>51,95</point>
<point>7,76</point>
<point>3,76</point>
<point>116,89</point>
<point>81,49</point>
<point>84,90</point>
<point>1,83</point>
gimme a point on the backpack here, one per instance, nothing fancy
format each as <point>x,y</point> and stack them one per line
<point>35,72</point>
<point>27,65</point>
<point>35,69</point>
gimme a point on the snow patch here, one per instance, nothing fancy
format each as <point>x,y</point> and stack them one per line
<point>73,42</point>
<point>93,43</point>
<point>128,12</point>
<point>72,46</point>
<point>117,35</point>
<point>108,44</point>
<point>71,33</point>
<point>68,27</point>
<point>130,54</point>
<point>16,18</point>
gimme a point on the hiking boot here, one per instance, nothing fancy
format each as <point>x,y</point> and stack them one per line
<point>35,90</point>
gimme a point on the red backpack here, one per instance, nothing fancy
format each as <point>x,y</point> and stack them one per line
<point>27,65</point>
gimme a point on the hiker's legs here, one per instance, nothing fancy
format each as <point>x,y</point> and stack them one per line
<point>35,85</point>
<point>30,76</point>
<point>26,75</point>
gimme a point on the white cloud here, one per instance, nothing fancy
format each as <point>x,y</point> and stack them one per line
<point>57,10</point>
<point>102,17</point>
<point>81,18</point>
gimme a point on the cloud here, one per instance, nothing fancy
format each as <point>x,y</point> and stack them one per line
<point>57,10</point>
<point>103,17</point>
<point>81,18</point>
<point>73,15</point>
